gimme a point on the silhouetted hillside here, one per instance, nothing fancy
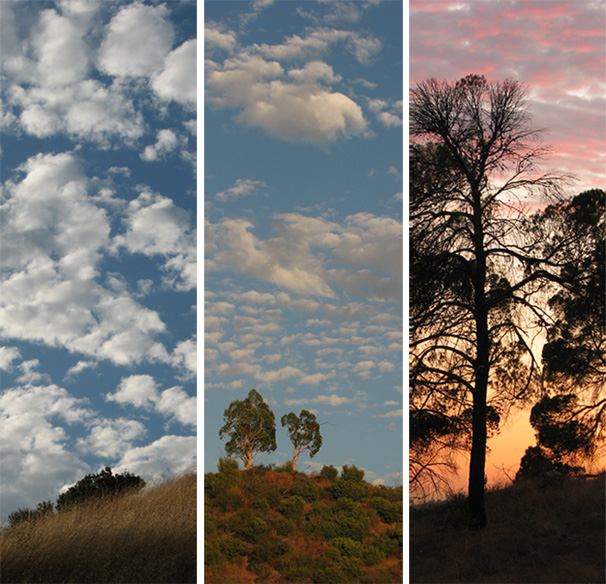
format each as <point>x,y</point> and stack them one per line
<point>148,537</point>
<point>537,532</point>
<point>268,525</point>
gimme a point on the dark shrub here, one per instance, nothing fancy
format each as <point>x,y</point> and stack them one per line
<point>269,548</point>
<point>298,574</point>
<point>210,525</point>
<point>353,568</point>
<point>328,529</point>
<point>393,494</point>
<point>284,527</point>
<point>398,537</point>
<point>342,489</point>
<point>321,510</point>
<point>221,548</point>
<point>352,473</point>
<point>348,547</point>
<point>372,555</point>
<point>247,525</point>
<point>355,525</point>
<point>44,508</point>
<point>306,489</point>
<point>386,543</point>
<point>234,548</point>
<point>22,515</point>
<point>227,465</point>
<point>260,504</point>
<point>212,552</point>
<point>262,469</point>
<point>285,467</point>
<point>334,575</point>
<point>103,483</point>
<point>329,472</point>
<point>350,484</point>
<point>293,507</point>
<point>388,512</point>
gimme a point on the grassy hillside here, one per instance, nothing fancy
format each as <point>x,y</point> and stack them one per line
<point>149,537</point>
<point>267,525</point>
<point>536,533</point>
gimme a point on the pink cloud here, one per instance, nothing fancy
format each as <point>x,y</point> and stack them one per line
<point>432,5</point>
<point>557,48</point>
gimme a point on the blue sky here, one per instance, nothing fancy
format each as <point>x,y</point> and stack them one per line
<point>303,224</point>
<point>98,265</point>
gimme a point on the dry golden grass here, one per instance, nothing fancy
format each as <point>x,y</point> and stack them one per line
<point>535,535</point>
<point>149,537</point>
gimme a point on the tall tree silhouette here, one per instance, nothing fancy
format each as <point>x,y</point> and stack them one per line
<point>476,270</point>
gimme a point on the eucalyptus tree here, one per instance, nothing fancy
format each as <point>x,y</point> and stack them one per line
<point>476,269</point>
<point>250,426</point>
<point>304,431</point>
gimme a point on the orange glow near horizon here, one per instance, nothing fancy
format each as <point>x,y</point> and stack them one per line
<point>504,454</point>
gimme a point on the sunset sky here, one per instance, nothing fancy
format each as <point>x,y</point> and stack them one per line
<point>98,264</point>
<point>303,193</point>
<point>558,49</point>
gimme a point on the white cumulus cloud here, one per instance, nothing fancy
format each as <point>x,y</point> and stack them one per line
<point>36,457</point>
<point>141,391</point>
<point>166,456</point>
<point>155,226</point>
<point>137,40</point>
<point>177,79</point>
<point>297,110</point>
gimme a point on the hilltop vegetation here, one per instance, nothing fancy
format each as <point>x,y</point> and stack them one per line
<point>277,525</point>
<point>537,532</point>
<point>144,536</point>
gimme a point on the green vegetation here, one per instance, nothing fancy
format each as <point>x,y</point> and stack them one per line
<point>116,535</point>
<point>537,532</point>
<point>277,525</point>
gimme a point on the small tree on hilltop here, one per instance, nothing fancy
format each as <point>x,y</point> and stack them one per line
<point>304,434</point>
<point>251,428</point>
<point>103,483</point>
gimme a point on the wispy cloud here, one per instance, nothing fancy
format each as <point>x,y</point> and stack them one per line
<point>242,188</point>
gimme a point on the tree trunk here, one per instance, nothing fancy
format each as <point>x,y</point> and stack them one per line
<point>477,462</point>
<point>294,460</point>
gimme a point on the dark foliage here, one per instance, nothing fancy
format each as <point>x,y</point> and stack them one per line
<point>101,484</point>
<point>329,472</point>
<point>350,484</point>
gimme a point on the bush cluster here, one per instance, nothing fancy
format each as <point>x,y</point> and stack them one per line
<point>290,527</point>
